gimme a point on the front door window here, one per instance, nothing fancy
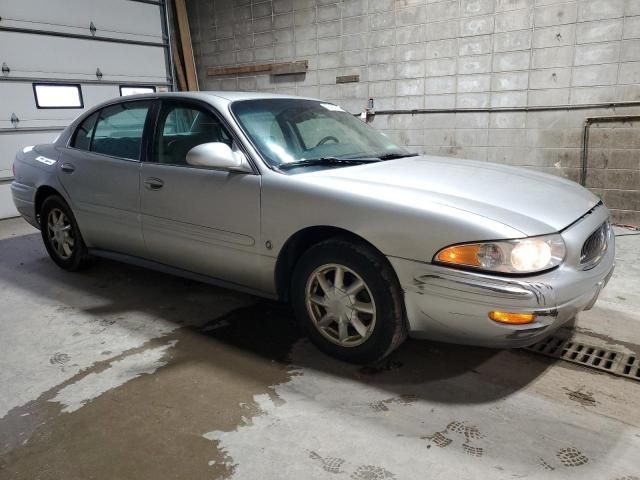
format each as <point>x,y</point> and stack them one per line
<point>180,128</point>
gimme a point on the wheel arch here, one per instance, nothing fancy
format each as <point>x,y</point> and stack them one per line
<point>298,243</point>
<point>42,193</point>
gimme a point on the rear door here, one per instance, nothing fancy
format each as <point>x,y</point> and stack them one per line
<point>101,174</point>
<point>198,219</point>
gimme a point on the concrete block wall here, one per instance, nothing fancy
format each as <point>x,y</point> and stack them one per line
<point>614,173</point>
<point>453,55</point>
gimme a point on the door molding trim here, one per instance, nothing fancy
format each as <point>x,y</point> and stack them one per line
<point>193,232</point>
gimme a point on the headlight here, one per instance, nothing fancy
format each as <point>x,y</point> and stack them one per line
<point>524,255</point>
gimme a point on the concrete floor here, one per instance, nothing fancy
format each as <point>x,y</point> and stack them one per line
<point>122,373</point>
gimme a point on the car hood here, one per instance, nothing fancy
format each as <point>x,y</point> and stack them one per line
<point>531,202</point>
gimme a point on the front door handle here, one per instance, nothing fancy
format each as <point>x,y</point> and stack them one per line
<point>153,183</point>
<point>67,168</point>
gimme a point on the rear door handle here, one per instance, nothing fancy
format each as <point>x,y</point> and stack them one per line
<point>67,168</point>
<point>153,183</point>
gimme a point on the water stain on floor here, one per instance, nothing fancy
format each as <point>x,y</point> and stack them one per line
<point>152,426</point>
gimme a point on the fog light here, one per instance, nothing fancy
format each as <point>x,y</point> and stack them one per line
<point>512,318</point>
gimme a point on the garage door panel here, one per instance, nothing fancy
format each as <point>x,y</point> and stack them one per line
<point>7,209</point>
<point>65,29</point>
<point>10,143</point>
<point>26,125</point>
<point>113,18</point>
<point>18,98</point>
<point>58,55</point>
<point>82,77</point>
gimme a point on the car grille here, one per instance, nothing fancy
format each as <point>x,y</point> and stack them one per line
<point>595,247</point>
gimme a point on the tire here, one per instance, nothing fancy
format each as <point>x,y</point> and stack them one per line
<point>55,214</point>
<point>372,316</point>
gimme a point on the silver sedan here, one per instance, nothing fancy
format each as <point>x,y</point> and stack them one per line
<point>295,199</point>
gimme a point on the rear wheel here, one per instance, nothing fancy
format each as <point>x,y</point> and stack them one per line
<point>348,301</point>
<point>61,235</point>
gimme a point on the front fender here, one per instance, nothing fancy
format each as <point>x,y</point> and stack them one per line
<point>406,227</point>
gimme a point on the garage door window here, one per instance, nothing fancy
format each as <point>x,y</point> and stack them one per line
<point>136,90</point>
<point>56,95</point>
<point>118,132</point>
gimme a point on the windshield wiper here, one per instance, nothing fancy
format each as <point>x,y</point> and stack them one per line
<point>326,161</point>
<point>393,156</point>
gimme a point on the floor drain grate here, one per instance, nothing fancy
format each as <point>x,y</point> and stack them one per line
<point>631,368</point>
<point>618,363</point>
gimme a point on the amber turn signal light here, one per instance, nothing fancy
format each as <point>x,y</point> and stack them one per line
<point>460,255</point>
<point>512,318</point>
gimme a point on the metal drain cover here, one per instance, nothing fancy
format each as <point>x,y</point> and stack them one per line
<point>618,363</point>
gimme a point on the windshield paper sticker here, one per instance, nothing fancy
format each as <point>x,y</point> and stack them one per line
<point>45,160</point>
<point>333,108</point>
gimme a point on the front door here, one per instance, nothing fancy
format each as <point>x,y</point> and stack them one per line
<point>201,220</point>
<point>101,173</point>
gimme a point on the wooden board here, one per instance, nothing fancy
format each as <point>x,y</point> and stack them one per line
<point>287,68</point>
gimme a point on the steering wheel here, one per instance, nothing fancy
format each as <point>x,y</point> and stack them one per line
<point>326,139</point>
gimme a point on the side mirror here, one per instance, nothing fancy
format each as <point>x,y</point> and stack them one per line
<point>217,155</point>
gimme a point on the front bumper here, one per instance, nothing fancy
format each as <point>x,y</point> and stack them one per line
<point>453,305</point>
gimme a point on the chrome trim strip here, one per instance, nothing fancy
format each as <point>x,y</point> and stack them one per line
<point>606,231</point>
<point>455,280</point>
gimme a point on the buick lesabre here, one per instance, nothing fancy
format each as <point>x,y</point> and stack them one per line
<point>296,199</point>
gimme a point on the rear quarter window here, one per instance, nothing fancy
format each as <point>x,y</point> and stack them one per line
<point>84,133</point>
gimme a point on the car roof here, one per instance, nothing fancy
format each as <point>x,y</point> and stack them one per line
<point>206,95</point>
<point>216,98</point>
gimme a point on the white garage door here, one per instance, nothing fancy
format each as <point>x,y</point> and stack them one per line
<point>60,57</point>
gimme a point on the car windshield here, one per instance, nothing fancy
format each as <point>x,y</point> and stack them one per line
<point>303,133</point>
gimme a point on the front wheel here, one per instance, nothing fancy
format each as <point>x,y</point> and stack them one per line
<point>61,235</point>
<point>348,301</point>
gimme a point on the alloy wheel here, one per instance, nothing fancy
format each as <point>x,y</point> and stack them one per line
<point>340,305</point>
<point>60,233</point>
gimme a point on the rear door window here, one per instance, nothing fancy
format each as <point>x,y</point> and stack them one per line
<point>119,129</point>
